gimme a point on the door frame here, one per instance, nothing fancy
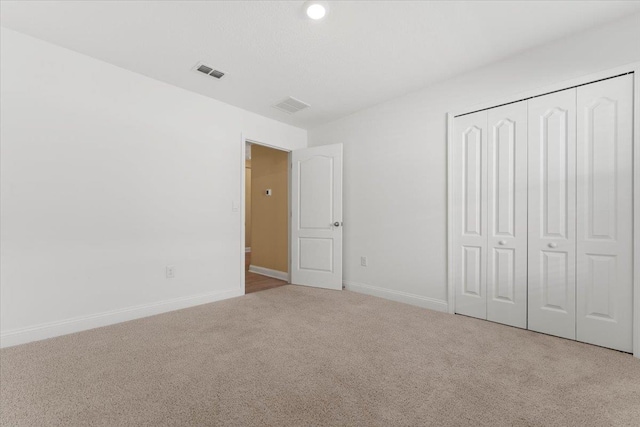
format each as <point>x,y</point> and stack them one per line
<point>242,206</point>
<point>566,84</point>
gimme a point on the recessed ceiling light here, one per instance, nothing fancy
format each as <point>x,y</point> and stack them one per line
<point>316,9</point>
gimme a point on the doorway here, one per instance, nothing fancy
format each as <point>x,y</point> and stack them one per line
<point>312,217</point>
<point>266,217</point>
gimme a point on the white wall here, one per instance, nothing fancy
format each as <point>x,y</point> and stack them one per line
<point>395,161</point>
<point>107,177</point>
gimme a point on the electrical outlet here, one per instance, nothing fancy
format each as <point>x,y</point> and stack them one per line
<point>363,261</point>
<point>171,272</point>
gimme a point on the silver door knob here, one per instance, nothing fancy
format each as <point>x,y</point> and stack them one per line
<point>502,242</point>
<point>553,245</point>
<point>336,224</point>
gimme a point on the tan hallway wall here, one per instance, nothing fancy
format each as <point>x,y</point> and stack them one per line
<point>247,204</point>
<point>270,236</point>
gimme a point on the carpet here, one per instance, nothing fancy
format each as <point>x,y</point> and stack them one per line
<point>304,357</point>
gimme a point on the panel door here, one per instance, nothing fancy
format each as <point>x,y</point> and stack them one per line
<point>316,217</point>
<point>507,215</point>
<point>604,213</point>
<point>552,205</point>
<point>470,214</point>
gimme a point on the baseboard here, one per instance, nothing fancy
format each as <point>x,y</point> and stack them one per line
<point>276,274</point>
<point>78,324</point>
<point>407,298</point>
<point>247,249</point>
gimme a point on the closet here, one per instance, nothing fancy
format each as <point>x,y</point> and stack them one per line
<point>542,213</point>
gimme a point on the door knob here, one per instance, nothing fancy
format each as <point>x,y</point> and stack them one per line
<point>553,245</point>
<point>336,224</point>
<point>502,242</point>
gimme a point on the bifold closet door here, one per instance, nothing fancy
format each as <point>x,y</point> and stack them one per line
<point>470,214</point>
<point>507,214</point>
<point>552,214</point>
<point>543,213</point>
<point>604,213</point>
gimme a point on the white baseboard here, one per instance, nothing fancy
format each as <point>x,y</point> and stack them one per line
<point>247,249</point>
<point>407,298</point>
<point>269,272</point>
<point>77,324</point>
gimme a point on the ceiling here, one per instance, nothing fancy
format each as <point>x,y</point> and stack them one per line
<point>360,54</point>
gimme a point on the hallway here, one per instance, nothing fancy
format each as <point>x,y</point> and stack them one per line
<point>257,282</point>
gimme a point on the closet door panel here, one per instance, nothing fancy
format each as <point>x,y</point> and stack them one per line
<point>470,214</point>
<point>507,214</point>
<point>552,203</point>
<point>604,213</point>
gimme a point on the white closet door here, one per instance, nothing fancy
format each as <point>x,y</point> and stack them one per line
<point>552,187</point>
<point>507,215</point>
<point>604,214</point>
<point>470,214</point>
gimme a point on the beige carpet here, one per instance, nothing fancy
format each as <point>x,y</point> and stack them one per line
<point>301,356</point>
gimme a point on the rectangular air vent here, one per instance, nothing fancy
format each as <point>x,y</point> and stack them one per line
<point>291,105</point>
<point>208,71</point>
<point>217,74</point>
<point>205,69</point>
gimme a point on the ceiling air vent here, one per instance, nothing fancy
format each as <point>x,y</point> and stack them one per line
<point>291,105</point>
<point>209,71</point>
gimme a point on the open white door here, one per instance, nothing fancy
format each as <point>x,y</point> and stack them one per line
<point>316,216</point>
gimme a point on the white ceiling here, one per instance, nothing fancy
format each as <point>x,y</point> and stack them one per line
<point>362,53</point>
